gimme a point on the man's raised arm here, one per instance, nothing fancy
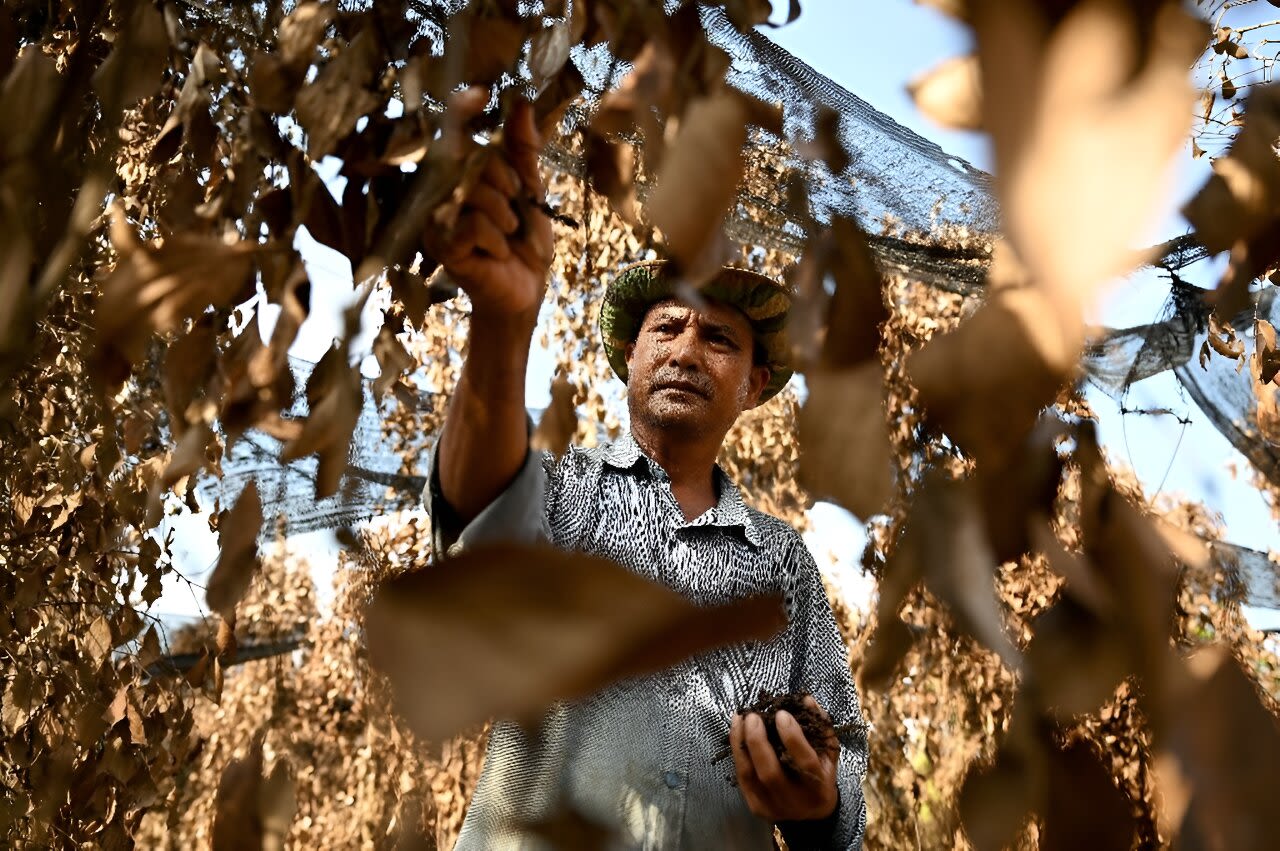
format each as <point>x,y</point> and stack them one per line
<point>500,257</point>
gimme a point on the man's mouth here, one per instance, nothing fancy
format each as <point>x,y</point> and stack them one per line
<point>683,386</point>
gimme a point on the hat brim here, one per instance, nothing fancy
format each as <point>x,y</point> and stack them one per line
<point>639,286</point>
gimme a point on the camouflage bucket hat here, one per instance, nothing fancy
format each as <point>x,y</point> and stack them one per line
<point>765,303</point>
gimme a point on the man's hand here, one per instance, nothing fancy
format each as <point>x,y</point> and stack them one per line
<point>774,793</point>
<point>501,247</point>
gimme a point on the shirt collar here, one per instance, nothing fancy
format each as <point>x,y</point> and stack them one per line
<point>731,510</point>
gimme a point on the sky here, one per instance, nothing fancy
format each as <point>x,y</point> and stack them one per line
<point>874,50</point>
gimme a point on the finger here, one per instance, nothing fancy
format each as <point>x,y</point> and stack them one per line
<point>483,234</point>
<point>536,245</point>
<point>803,757</point>
<point>524,143</point>
<point>753,791</point>
<point>763,758</point>
<point>495,206</point>
<point>502,175</point>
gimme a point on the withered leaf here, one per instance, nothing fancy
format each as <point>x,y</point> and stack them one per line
<point>157,287</point>
<point>986,382</point>
<point>140,53</point>
<point>996,801</point>
<point>827,145</point>
<point>190,122</point>
<point>857,306</point>
<point>188,455</point>
<point>1227,85</point>
<point>188,365</point>
<point>891,641</point>
<point>1134,559</point>
<point>957,562</point>
<point>149,650</point>
<point>1082,581</point>
<point>1238,208</point>
<point>698,179</point>
<point>559,422</point>
<point>951,93</point>
<point>22,696</point>
<point>1228,744</point>
<point>1078,659</point>
<point>493,44</point>
<point>1084,808</point>
<point>300,32</point>
<point>1062,114</point>
<point>548,51</point>
<point>611,169</point>
<point>1015,496</point>
<point>505,631</point>
<point>1266,355</point>
<point>97,641</point>
<point>329,107</point>
<point>335,396</point>
<point>238,558</point>
<point>844,435</point>
<point>252,811</point>
<point>393,360</point>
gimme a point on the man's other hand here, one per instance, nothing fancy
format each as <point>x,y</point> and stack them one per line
<point>502,245</point>
<point>806,792</point>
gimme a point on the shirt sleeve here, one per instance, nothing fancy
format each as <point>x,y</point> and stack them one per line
<point>822,663</point>
<point>516,516</point>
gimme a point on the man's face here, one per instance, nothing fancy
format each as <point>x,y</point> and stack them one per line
<point>693,371</point>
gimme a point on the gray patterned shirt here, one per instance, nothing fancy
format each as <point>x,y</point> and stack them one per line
<point>640,757</point>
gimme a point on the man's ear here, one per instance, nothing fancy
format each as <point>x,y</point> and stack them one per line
<point>627,352</point>
<point>759,379</point>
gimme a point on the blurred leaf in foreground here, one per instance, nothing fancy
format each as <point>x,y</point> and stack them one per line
<point>506,631</point>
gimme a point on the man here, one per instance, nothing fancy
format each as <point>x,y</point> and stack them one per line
<point>640,757</point>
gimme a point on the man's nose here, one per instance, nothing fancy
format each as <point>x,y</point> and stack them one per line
<point>686,351</point>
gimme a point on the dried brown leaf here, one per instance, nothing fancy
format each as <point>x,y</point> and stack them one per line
<point>951,93</point>
<point>301,31</point>
<point>97,642</point>
<point>188,365</point>
<point>393,360</point>
<point>947,528</point>
<point>548,52</point>
<point>1238,208</point>
<point>559,422</point>
<point>995,801</point>
<point>238,558</point>
<point>1228,745</point>
<point>698,179</point>
<point>844,432</point>
<point>505,631</point>
<point>157,287</point>
<point>1078,659</point>
<point>335,397</point>
<point>1266,355</point>
<point>1021,494</point>
<point>611,167</point>
<point>1084,807</point>
<point>138,57</point>
<point>329,107</point>
<point>250,811</point>
<point>986,382</point>
<point>1082,141</point>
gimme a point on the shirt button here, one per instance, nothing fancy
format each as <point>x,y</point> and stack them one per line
<point>672,779</point>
